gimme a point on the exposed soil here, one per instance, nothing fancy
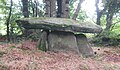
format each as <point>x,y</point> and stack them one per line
<point>25,56</point>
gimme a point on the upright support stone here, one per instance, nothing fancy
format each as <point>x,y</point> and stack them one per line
<point>63,42</point>
<point>42,42</point>
<point>83,45</point>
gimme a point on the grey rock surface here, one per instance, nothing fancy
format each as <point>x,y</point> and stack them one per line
<point>59,24</point>
<point>64,42</point>
<point>83,45</point>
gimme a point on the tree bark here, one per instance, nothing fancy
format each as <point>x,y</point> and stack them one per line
<point>77,10</point>
<point>25,12</point>
<point>65,9</point>
<point>109,20</point>
<point>47,8</point>
<point>110,13</point>
<point>33,8</point>
<point>62,11</point>
<point>52,8</point>
<point>98,13</point>
<point>8,21</point>
<point>36,8</point>
<point>25,8</point>
<point>59,9</point>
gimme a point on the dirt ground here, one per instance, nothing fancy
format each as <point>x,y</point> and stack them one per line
<point>25,56</point>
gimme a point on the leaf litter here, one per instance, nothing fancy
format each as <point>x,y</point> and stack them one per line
<point>25,56</point>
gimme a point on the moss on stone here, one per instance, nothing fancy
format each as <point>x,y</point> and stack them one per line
<point>42,46</point>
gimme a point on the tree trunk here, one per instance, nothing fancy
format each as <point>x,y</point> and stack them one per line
<point>8,21</point>
<point>47,8</point>
<point>36,8</point>
<point>25,13</point>
<point>25,8</point>
<point>77,10</point>
<point>109,20</point>
<point>59,9</point>
<point>65,9</point>
<point>52,8</point>
<point>110,14</point>
<point>62,11</point>
<point>33,8</point>
<point>98,13</point>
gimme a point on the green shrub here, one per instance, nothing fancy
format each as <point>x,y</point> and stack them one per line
<point>108,38</point>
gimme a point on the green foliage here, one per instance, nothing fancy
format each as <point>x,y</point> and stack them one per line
<point>103,21</point>
<point>16,14</point>
<point>42,46</point>
<point>82,14</point>
<point>112,36</point>
<point>33,36</point>
<point>108,38</point>
<point>13,46</point>
<point>2,53</point>
<point>4,67</point>
<point>71,8</point>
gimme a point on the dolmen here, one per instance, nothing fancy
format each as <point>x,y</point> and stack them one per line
<point>62,34</point>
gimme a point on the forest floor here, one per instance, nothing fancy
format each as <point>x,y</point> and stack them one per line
<point>25,56</point>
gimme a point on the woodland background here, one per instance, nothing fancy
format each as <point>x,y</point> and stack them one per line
<point>107,15</point>
<point>19,52</point>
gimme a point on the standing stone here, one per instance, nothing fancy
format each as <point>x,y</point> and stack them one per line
<point>83,45</point>
<point>42,42</point>
<point>63,42</point>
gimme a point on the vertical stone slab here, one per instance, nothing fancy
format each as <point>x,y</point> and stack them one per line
<point>42,42</point>
<point>63,42</point>
<point>83,45</point>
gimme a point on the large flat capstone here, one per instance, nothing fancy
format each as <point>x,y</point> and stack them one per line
<point>59,24</point>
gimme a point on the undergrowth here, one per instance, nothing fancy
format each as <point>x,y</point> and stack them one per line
<point>110,38</point>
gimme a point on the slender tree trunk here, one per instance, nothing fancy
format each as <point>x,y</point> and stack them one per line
<point>77,10</point>
<point>65,9</point>
<point>36,8</point>
<point>47,8</point>
<point>109,20</point>
<point>98,13</point>
<point>62,11</point>
<point>110,13</point>
<point>8,21</point>
<point>52,8</point>
<point>25,14</point>
<point>33,8</point>
<point>59,9</point>
<point>25,8</point>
